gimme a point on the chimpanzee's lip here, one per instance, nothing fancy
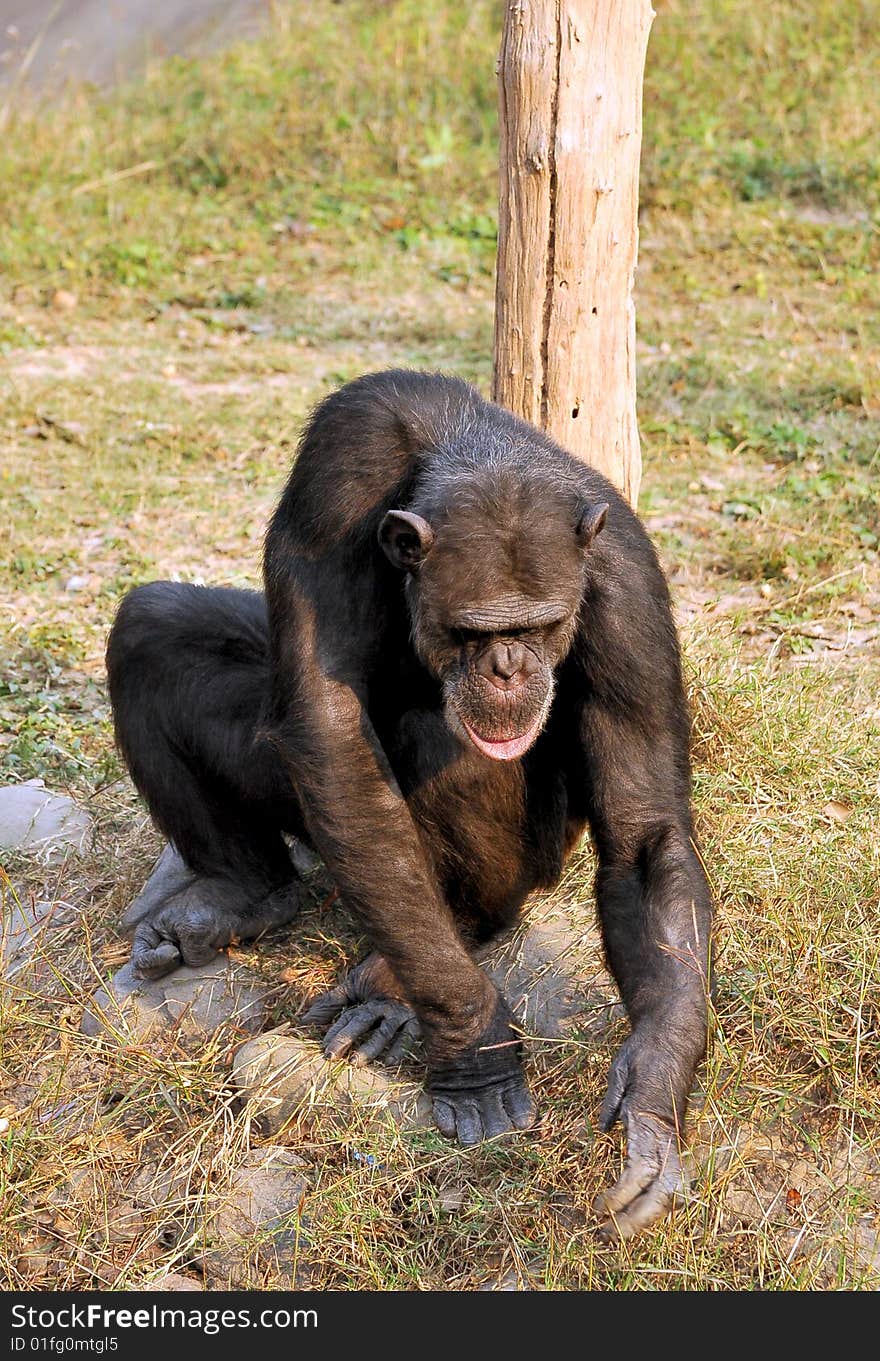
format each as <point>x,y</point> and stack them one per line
<point>509,748</point>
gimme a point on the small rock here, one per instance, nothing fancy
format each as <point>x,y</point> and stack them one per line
<point>47,825</point>
<point>196,1001</point>
<point>122,1205</point>
<point>257,1228</point>
<point>866,1251</point>
<point>451,1199</point>
<point>156,1185</point>
<point>24,929</point>
<point>511,1279</point>
<point>74,584</point>
<point>64,301</point>
<point>174,1281</point>
<point>281,1076</point>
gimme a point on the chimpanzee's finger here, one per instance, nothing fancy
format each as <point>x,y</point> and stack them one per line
<point>351,1026</point>
<point>153,955</point>
<point>646,1209</point>
<point>652,1177</point>
<point>327,1007</point>
<point>404,1044</point>
<point>468,1124</point>
<point>277,909</point>
<point>396,1015</point>
<point>196,948</point>
<point>493,1116</point>
<point>636,1176</point>
<point>618,1077</point>
<point>170,876</point>
<point>519,1105</point>
<point>444,1115</point>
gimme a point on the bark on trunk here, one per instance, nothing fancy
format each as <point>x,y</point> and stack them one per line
<point>570,91</point>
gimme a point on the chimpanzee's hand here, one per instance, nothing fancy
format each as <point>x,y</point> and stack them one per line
<point>482,1092</point>
<point>639,1094</point>
<point>204,916</point>
<point>366,1024</point>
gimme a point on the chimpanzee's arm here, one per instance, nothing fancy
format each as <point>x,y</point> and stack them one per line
<point>652,895</point>
<point>325,622</point>
<point>655,911</point>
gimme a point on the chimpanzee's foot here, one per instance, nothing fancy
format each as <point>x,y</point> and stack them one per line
<point>170,875</point>
<point>185,918</point>
<point>366,1024</point>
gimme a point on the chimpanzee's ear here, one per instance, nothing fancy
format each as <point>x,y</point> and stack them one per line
<point>591,523</point>
<point>406,539</point>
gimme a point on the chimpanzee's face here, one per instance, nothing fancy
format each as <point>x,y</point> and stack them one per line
<point>497,666</point>
<point>494,589</point>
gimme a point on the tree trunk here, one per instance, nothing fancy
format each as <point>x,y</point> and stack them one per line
<point>570,93</point>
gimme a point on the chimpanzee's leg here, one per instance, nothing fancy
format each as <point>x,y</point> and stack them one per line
<point>188,675</point>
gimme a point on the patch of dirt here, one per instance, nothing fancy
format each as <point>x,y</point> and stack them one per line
<point>64,362</point>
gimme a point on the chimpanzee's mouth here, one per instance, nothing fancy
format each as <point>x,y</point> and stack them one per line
<point>508,748</point>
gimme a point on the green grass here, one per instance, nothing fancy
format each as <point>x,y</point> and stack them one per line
<point>321,203</point>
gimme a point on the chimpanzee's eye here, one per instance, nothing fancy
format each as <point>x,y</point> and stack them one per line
<point>461,637</point>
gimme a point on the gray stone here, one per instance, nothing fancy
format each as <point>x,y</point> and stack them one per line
<point>451,1199</point>
<point>25,936</point>
<point>254,1226</point>
<point>173,1280</point>
<point>551,972</point>
<point>514,1279</point>
<point>151,1186</point>
<point>46,825</point>
<point>124,1204</point>
<point>48,46</point>
<point>282,1077</point>
<point>195,1001</point>
<point>865,1242</point>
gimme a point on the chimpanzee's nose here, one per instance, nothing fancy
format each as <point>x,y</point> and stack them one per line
<point>507,661</point>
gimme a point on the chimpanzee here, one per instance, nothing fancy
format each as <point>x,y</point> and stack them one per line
<point>464,656</point>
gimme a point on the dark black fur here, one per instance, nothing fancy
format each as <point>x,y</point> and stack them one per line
<point>343,717</point>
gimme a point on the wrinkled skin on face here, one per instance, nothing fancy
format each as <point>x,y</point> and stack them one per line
<point>495,583</point>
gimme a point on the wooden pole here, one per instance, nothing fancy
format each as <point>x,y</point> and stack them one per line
<point>570,96</point>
